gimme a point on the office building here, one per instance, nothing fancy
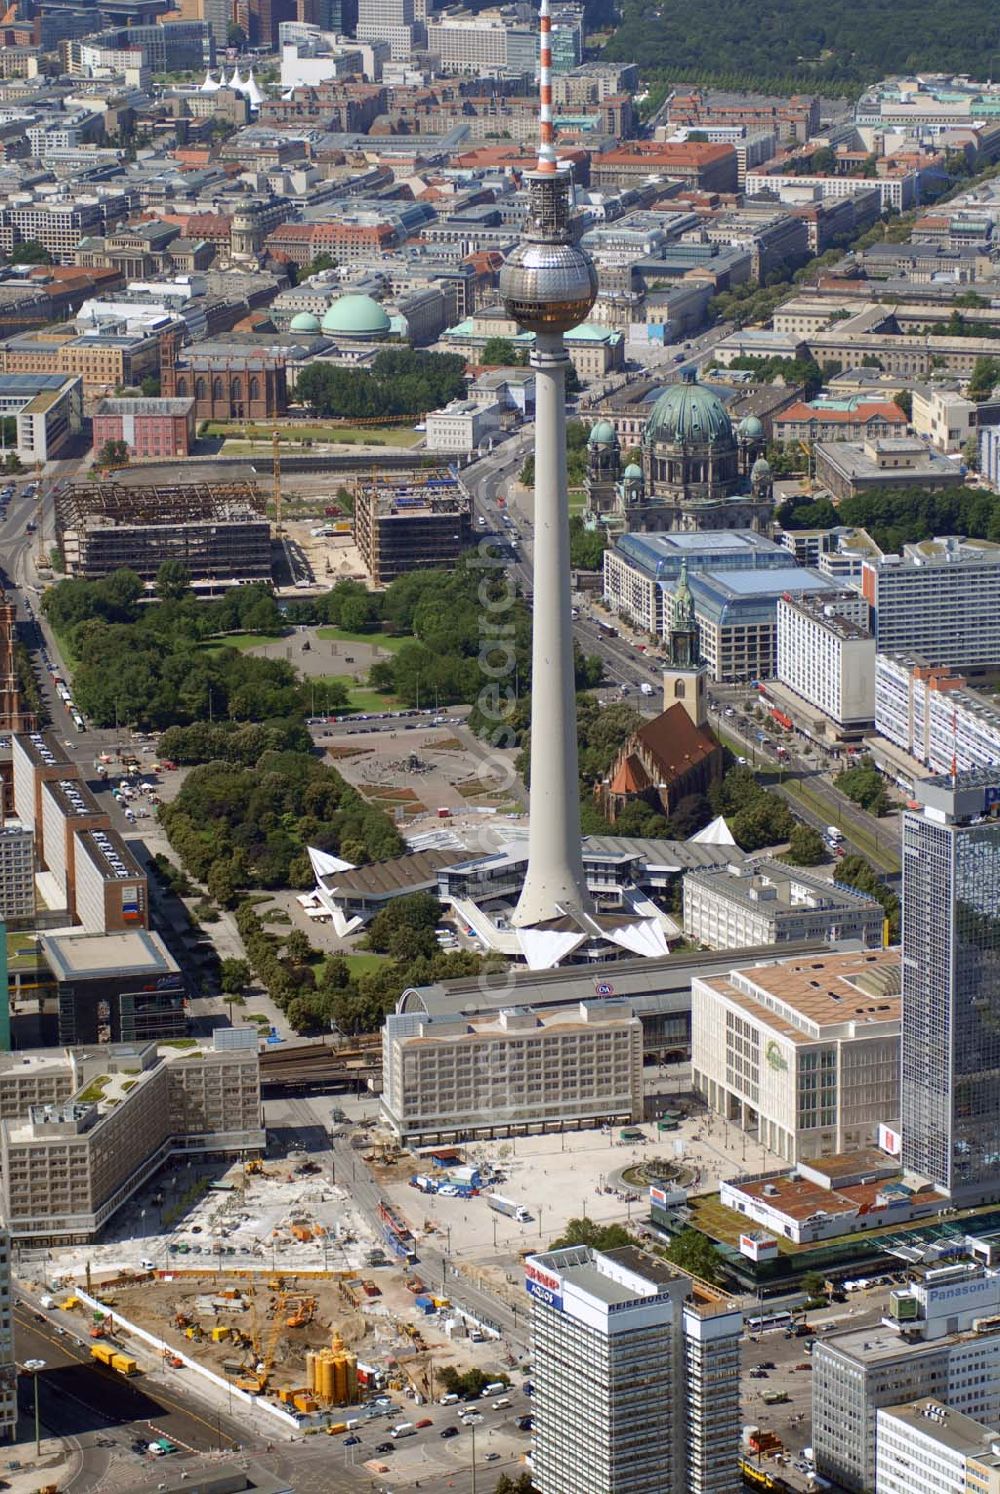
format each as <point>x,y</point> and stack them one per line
<point>641,570</point>
<point>770,902</point>
<point>110,889</point>
<point>447,1077</point>
<point>124,987</point>
<point>47,409</point>
<point>462,427</point>
<point>737,615</point>
<point>857,1373</point>
<point>635,1390</point>
<point>931,713</point>
<point>925,1448</point>
<point>106,1119</point>
<point>826,655</point>
<point>803,1054</point>
<point>847,468</point>
<point>37,758</point>
<point>150,428</point>
<point>950,1091</point>
<point>939,600</point>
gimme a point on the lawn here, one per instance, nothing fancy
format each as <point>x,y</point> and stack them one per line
<point>577,500</point>
<point>358,698</point>
<point>384,641</point>
<point>23,953</point>
<point>244,641</point>
<point>374,435</point>
<point>361,964</point>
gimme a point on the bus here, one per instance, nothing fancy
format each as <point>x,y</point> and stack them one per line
<point>768,1321</point>
<point>607,630</point>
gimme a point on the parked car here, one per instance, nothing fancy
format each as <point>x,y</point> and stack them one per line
<point>450,1432</point>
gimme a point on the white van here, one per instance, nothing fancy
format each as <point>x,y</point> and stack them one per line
<point>495,1387</point>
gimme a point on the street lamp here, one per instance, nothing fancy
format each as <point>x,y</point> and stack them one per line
<point>34,1368</point>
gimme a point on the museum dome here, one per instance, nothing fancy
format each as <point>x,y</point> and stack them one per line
<point>356,316</point>
<point>688,414</point>
<point>304,321</point>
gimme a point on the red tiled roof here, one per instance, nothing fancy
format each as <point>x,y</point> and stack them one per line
<point>869,410</point>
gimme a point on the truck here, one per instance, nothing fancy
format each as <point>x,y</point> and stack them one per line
<point>833,835</point>
<point>645,689</point>
<point>507,1206</point>
<point>403,1429</point>
<point>124,1364</point>
<point>103,1353</point>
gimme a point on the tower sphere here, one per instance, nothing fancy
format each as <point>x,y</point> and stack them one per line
<point>548,287</point>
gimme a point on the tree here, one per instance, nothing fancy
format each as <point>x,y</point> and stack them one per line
<point>235,36</point>
<point>865,785</point>
<point>318,264</point>
<point>520,1485</point>
<point>598,1236</point>
<point>31,252</point>
<point>695,1253</point>
<point>813,1284</point>
<point>904,399</point>
<point>855,871</point>
<point>297,947</point>
<point>173,580</point>
<point>235,976</point>
<point>499,352</point>
<point>805,846</point>
<point>150,386</point>
<point>114,454</point>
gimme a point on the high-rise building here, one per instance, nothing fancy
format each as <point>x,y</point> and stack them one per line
<point>636,1382</point>
<point>8,1364</point>
<point>950,1073</point>
<point>389,21</point>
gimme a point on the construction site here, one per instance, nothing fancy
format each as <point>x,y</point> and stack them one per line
<point>219,531</point>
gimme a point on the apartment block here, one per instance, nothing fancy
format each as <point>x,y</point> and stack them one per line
<point>803,1054</point>
<point>931,712</point>
<point>826,655</point>
<point>769,902</point>
<point>939,600</point>
<point>70,1163</point>
<point>17,871</point>
<point>636,1383</point>
<point>37,759</point>
<point>858,1373</point>
<point>67,806</point>
<point>579,1064</point>
<point>8,1361</point>
<point>926,1448</point>
<point>111,891</point>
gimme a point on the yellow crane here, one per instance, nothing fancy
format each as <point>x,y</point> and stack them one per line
<point>256,1383</point>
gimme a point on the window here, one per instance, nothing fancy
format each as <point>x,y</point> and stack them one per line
<point>217,390</point>
<point>255,387</point>
<point>199,389</point>
<point>679,690</point>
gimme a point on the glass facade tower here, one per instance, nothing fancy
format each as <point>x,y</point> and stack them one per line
<point>950,1078</point>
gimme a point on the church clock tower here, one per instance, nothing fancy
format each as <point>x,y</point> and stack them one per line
<point>685,677</point>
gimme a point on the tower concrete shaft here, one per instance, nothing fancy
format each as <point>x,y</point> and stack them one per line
<point>555,881</point>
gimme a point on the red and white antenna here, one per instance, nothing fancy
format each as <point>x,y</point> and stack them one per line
<point>546,133</point>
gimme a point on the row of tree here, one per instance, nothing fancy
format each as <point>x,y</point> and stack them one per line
<point>399,382</point>
<point>902,516</point>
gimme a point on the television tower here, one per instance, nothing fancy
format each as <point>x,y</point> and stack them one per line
<point>548,286</point>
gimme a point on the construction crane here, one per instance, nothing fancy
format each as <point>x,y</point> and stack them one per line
<point>256,1383</point>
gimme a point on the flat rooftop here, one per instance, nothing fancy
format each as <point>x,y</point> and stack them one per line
<point>110,855</point>
<point>92,956</point>
<point>72,797</point>
<point>951,1429</point>
<point>799,998</point>
<point>775,885</point>
<point>42,750</point>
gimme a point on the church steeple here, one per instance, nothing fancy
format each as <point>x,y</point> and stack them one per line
<point>684,679</point>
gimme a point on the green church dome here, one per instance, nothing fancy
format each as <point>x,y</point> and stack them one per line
<point>750,429</point>
<point>689,414</point>
<point>304,321</point>
<point>602,434</point>
<point>356,316</point>
<point>632,470</point>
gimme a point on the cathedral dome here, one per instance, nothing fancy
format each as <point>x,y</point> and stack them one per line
<point>602,434</point>
<point>688,414</point>
<point>750,429</point>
